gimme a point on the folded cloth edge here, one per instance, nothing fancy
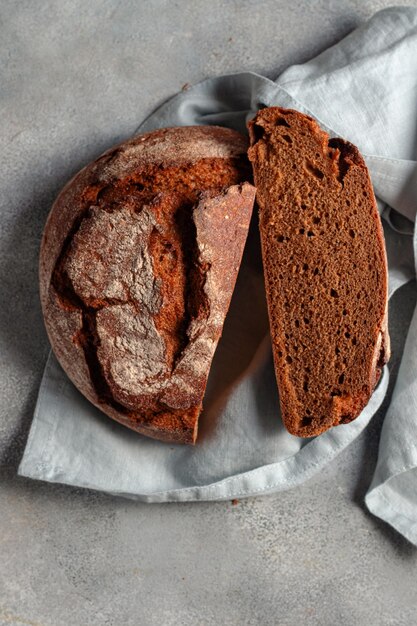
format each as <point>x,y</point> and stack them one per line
<point>239,485</point>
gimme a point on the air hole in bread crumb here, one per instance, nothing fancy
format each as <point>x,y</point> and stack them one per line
<point>288,359</point>
<point>316,220</point>
<point>287,138</point>
<point>306,421</point>
<point>305,266</point>
<point>334,293</point>
<point>310,233</point>
<point>313,170</point>
<point>297,323</point>
<point>352,233</point>
<point>258,131</point>
<point>341,379</point>
<point>281,122</point>
<point>333,394</point>
<point>301,231</point>
<point>316,271</point>
<point>347,335</point>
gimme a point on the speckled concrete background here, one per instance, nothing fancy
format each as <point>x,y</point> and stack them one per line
<point>76,77</point>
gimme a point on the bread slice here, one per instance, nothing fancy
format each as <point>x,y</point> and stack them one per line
<point>325,270</point>
<point>138,263</point>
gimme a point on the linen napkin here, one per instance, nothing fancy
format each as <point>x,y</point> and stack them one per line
<point>365,90</point>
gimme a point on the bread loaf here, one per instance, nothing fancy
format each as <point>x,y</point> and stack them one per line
<point>138,263</point>
<point>325,270</point>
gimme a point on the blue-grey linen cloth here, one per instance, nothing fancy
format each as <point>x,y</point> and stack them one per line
<point>363,89</point>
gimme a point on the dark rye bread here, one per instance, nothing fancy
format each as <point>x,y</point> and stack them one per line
<point>138,263</point>
<point>325,270</point>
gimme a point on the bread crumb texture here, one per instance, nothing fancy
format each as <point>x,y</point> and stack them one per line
<point>325,270</point>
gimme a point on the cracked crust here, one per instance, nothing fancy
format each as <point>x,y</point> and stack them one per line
<point>138,263</point>
<point>325,270</point>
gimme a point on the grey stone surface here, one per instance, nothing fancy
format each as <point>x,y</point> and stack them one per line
<point>76,77</point>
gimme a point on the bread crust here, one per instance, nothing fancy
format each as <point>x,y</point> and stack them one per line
<point>292,203</point>
<point>101,296</point>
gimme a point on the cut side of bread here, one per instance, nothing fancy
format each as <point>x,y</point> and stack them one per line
<point>138,264</point>
<point>325,270</point>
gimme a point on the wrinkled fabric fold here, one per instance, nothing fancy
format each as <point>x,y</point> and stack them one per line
<point>364,88</point>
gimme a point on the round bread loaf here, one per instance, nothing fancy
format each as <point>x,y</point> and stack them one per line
<point>138,263</point>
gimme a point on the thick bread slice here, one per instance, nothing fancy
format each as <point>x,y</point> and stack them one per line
<point>325,270</point>
<point>138,263</point>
